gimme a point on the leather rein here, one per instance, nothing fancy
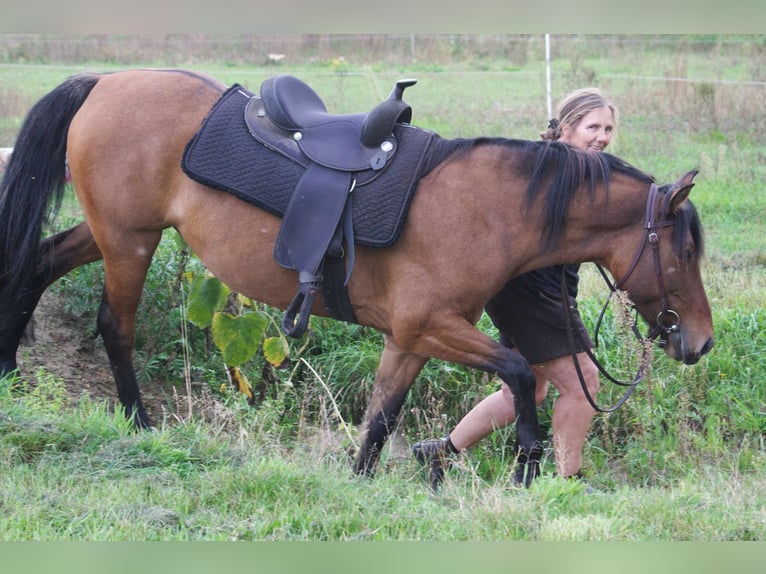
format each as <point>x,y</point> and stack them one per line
<point>667,322</point>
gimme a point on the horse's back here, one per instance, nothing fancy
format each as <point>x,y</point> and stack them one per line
<point>157,106</point>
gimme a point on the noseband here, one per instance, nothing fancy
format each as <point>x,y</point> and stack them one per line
<point>668,321</point>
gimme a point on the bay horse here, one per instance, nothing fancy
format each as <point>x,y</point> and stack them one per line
<point>485,210</point>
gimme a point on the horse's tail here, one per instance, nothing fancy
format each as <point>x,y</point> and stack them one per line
<point>34,178</point>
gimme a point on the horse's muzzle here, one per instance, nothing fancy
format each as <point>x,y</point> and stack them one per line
<point>677,348</point>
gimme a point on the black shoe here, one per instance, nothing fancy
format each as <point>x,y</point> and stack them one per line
<point>433,453</point>
<point>579,477</point>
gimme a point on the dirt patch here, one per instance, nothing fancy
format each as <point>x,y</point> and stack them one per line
<point>66,346</point>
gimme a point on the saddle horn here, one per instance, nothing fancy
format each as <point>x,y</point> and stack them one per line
<point>393,110</point>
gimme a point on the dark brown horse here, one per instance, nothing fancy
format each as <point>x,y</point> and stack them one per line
<point>485,211</point>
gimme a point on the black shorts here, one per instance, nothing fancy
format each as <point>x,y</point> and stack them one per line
<point>533,321</point>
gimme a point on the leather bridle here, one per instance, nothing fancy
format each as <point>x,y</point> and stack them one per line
<point>668,321</point>
<point>652,238</point>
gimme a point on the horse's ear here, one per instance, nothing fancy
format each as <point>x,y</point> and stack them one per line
<point>681,190</point>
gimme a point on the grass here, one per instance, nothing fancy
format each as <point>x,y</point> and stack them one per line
<point>682,460</point>
<point>83,474</point>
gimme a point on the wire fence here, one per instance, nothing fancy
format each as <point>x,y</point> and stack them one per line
<point>403,49</point>
<point>687,82</point>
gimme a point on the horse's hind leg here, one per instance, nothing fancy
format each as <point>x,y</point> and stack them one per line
<point>125,274</point>
<point>396,373</point>
<point>520,378</point>
<point>59,254</point>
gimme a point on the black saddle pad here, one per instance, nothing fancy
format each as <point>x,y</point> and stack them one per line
<point>224,155</point>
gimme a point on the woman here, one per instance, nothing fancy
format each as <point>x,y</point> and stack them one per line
<point>528,314</point>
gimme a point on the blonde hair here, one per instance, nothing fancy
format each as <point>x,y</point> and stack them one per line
<point>574,106</point>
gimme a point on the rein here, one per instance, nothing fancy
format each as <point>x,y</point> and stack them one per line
<point>667,321</point>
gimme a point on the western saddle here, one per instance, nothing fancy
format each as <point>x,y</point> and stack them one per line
<point>291,118</point>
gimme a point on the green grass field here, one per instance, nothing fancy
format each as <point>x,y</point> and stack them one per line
<point>684,459</point>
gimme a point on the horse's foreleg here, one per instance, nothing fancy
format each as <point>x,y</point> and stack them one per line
<point>59,254</point>
<point>124,280</point>
<point>396,373</point>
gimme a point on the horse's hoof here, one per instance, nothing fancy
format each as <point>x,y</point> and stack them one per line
<point>7,367</point>
<point>526,473</point>
<point>528,465</point>
<point>139,419</point>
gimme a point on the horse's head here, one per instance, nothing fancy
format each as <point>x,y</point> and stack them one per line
<point>664,280</point>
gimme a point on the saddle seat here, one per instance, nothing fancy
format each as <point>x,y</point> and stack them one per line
<point>345,142</point>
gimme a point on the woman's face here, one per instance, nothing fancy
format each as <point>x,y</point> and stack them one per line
<point>593,132</point>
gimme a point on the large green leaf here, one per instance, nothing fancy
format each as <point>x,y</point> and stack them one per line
<point>206,296</point>
<point>276,350</point>
<point>238,337</point>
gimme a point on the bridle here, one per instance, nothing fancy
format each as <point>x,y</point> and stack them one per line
<point>668,321</point>
<point>652,238</point>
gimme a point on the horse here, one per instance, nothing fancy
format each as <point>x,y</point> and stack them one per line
<point>486,209</point>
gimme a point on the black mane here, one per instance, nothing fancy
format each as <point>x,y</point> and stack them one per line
<point>554,168</point>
